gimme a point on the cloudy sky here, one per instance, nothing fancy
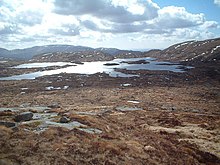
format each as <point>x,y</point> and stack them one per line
<point>124,24</point>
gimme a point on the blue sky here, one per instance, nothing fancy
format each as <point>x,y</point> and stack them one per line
<point>211,10</point>
<point>124,24</point>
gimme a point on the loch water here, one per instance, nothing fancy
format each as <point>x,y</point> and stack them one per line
<point>108,67</point>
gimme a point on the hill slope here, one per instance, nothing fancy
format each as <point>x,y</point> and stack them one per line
<point>191,51</point>
<point>29,53</point>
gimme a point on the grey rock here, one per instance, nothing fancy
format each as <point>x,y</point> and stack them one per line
<point>64,119</point>
<point>25,116</point>
<point>124,109</point>
<point>168,108</point>
<point>25,105</point>
<point>91,130</point>
<point>149,148</point>
<point>7,124</point>
<point>195,111</point>
<point>54,105</point>
<point>15,129</point>
<point>9,109</point>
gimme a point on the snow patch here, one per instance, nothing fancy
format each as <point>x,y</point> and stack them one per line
<point>185,43</point>
<point>65,87</point>
<point>133,101</point>
<point>214,49</point>
<point>52,88</point>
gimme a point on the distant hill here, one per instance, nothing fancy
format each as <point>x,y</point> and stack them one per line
<point>85,56</point>
<point>81,56</point>
<point>111,51</point>
<point>191,51</point>
<point>28,53</point>
<point>119,53</point>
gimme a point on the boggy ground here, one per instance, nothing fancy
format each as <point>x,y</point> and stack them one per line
<point>175,119</point>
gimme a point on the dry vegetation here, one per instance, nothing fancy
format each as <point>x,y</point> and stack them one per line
<point>179,122</point>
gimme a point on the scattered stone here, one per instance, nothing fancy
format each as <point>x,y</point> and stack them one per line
<point>204,125</point>
<point>173,108</point>
<point>9,109</point>
<point>7,113</point>
<point>91,130</point>
<point>149,148</point>
<point>7,124</point>
<point>123,109</point>
<point>39,108</point>
<point>44,116</point>
<point>52,88</point>
<point>54,105</point>
<point>195,111</point>
<point>70,125</point>
<point>25,105</point>
<point>64,119</point>
<point>25,116</point>
<point>15,129</point>
<point>168,108</point>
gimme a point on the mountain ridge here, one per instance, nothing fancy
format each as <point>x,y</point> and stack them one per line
<point>188,51</point>
<point>28,53</point>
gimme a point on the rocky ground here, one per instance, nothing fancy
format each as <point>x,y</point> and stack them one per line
<point>159,118</point>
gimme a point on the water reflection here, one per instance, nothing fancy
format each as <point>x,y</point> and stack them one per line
<point>97,67</point>
<point>42,65</point>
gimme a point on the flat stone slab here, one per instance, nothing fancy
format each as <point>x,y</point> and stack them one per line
<point>124,109</point>
<point>9,109</point>
<point>91,130</point>
<point>23,108</point>
<point>44,116</point>
<point>69,126</point>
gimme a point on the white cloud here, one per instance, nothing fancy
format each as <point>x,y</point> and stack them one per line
<point>22,13</point>
<point>177,17</point>
<point>169,18</point>
<point>98,22</point>
<point>217,2</point>
<point>29,17</point>
<point>8,28</point>
<point>210,25</point>
<point>113,11</point>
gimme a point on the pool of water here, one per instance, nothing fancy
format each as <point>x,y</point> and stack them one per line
<point>97,67</point>
<point>42,65</point>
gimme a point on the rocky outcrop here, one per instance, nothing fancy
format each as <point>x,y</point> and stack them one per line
<point>25,116</point>
<point>64,119</point>
<point>7,124</point>
<point>54,105</point>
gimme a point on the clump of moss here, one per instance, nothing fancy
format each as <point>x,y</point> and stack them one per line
<point>34,124</point>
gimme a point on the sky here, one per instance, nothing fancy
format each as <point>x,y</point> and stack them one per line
<point>123,24</point>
